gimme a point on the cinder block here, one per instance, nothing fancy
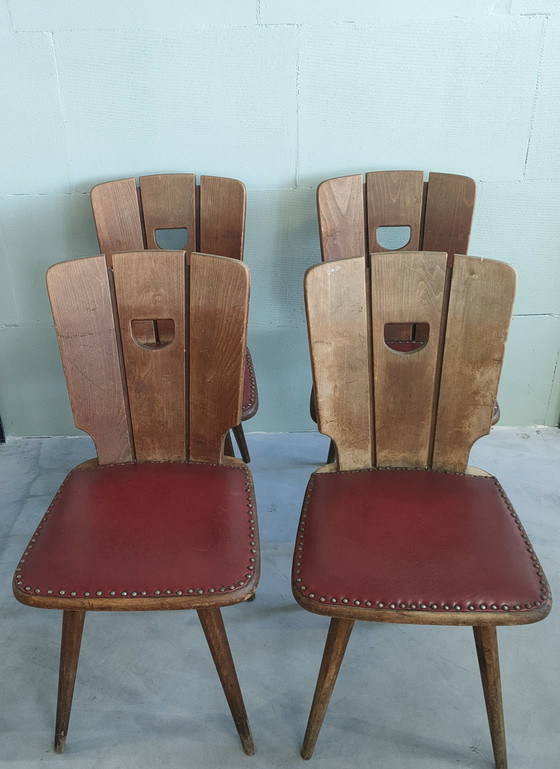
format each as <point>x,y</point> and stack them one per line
<point>130,14</point>
<point>8,312</point>
<point>220,101</point>
<point>34,155</point>
<point>324,11</point>
<point>40,230</point>
<point>543,159</point>
<point>282,241</point>
<point>5,21</point>
<point>518,223</point>
<point>528,393</point>
<point>448,95</point>
<point>535,6</point>
<point>33,397</point>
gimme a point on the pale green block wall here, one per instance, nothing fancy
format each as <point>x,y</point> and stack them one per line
<point>280,94</point>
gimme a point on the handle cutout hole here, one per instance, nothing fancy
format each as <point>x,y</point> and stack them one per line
<point>393,238</point>
<point>406,337</point>
<point>153,334</point>
<point>172,238</point>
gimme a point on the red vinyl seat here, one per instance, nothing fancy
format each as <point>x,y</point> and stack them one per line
<point>177,529</point>
<point>418,540</point>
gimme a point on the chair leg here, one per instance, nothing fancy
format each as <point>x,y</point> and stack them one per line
<point>241,442</point>
<point>335,646</point>
<point>487,650</point>
<point>214,630</point>
<point>72,627</point>
<point>228,446</point>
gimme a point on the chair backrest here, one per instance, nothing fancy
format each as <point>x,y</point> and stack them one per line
<point>352,214</point>
<point>153,351</point>
<point>212,214</point>
<point>418,407</point>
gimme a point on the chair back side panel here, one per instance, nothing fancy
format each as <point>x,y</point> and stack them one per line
<point>407,288</point>
<point>219,300</point>
<point>169,202</point>
<point>222,216</point>
<point>449,212</point>
<point>480,308</point>
<point>340,208</point>
<point>338,316</point>
<point>81,304</point>
<point>117,217</point>
<point>394,199</point>
<point>151,289</point>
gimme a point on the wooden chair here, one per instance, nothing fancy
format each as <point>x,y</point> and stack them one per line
<point>400,529</point>
<point>395,210</point>
<point>208,218</point>
<point>153,352</point>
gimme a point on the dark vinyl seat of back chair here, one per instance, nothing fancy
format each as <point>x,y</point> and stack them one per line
<point>208,217</point>
<point>160,519</point>
<point>400,529</point>
<point>395,210</point>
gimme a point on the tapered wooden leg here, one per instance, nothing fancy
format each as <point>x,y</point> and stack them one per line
<point>487,650</point>
<point>337,640</point>
<point>215,632</point>
<point>72,627</point>
<point>241,442</point>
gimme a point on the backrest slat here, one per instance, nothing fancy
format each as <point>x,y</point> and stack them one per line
<point>80,298</point>
<point>449,212</point>
<point>149,288</point>
<point>168,202</point>
<point>222,216</point>
<point>480,307</point>
<point>394,199</point>
<point>340,207</point>
<point>219,290</point>
<point>117,217</point>
<point>338,317</point>
<point>407,288</point>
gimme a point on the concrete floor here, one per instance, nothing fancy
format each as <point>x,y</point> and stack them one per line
<point>147,694</point>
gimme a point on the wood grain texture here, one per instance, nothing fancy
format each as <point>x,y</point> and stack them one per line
<point>338,318</point>
<point>486,640</point>
<point>394,199</point>
<point>480,307</point>
<point>215,632</point>
<point>335,648</point>
<point>449,212</point>
<point>340,209</point>
<point>80,299</point>
<point>117,217</point>
<point>168,202</point>
<point>222,216</point>
<point>72,629</point>
<point>216,351</point>
<point>151,285</point>
<point>406,287</point>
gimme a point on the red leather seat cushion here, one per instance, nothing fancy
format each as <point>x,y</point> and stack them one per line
<point>414,539</point>
<point>146,529</point>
